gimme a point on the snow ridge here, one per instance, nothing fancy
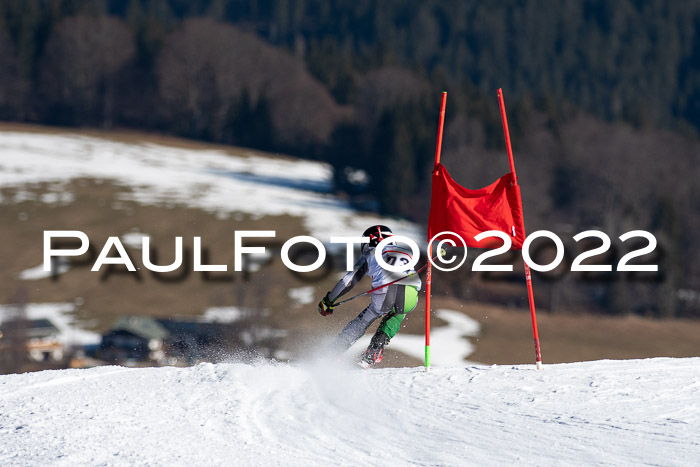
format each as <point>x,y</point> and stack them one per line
<point>635,412</point>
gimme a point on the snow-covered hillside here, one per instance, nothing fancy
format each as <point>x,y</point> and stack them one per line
<point>638,412</point>
<point>238,184</point>
<point>212,180</point>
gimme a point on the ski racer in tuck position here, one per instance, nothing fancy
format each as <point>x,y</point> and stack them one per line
<point>392,302</point>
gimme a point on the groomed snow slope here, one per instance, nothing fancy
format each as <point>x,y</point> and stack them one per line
<point>604,413</point>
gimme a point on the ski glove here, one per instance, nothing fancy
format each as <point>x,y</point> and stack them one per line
<point>325,306</point>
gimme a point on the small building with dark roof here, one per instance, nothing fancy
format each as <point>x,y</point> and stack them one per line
<point>134,338</point>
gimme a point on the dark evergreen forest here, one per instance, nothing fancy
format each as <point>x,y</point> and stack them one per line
<point>603,100</point>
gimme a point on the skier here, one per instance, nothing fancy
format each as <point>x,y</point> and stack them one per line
<point>392,302</point>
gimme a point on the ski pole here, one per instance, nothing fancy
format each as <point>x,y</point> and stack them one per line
<point>440,253</point>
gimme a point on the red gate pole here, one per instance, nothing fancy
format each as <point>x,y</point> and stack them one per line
<point>528,276</point>
<point>429,273</point>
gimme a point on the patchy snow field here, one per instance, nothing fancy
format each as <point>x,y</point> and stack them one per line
<point>211,180</point>
<point>634,412</point>
<point>70,331</point>
<point>214,181</point>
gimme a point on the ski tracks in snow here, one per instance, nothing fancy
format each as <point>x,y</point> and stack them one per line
<point>638,412</point>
